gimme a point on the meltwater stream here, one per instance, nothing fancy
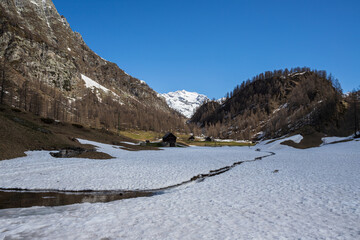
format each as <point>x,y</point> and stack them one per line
<point>22,198</point>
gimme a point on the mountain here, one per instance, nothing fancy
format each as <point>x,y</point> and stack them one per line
<point>273,104</point>
<point>184,102</point>
<point>49,70</point>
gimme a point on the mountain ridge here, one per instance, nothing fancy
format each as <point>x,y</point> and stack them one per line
<point>44,61</point>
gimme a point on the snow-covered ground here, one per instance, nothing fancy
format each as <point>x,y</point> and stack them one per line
<point>129,170</point>
<point>315,194</point>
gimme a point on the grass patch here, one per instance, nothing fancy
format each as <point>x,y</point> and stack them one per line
<point>154,144</point>
<point>94,155</point>
<point>141,135</point>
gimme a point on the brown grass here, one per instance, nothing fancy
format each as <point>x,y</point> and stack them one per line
<point>308,141</point>
<point>21,131</point>
<point>95,155</point>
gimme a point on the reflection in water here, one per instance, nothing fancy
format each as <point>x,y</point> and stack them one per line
<point>21,199</point>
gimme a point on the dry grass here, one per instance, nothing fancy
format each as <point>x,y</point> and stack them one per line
<point>21,131</point>
<point>141,135</point>
<point>95,155</point>
<point>308,141</point>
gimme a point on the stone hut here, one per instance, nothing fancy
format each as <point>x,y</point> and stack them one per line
<point>169,139</point>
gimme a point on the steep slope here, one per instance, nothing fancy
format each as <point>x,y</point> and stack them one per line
<point>45,61</point>
<point>184,102</point>
<point>274,104</point>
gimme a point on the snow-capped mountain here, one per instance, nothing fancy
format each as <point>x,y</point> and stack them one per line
<point>184,102</point>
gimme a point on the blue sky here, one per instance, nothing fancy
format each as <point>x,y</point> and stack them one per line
<point>211,46</point>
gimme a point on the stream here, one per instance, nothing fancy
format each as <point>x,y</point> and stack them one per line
<point>22,198</point>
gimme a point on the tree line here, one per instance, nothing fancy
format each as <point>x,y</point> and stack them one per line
<point>49,101</point>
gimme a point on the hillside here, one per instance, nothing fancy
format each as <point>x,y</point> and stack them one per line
<point>276,103</point>
<point>49,70</point>
<point>23,131</point>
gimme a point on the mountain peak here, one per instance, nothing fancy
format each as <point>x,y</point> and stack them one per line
<point>184,102</point>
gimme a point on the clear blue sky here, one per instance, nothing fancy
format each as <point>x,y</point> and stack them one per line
<point>210,46</point>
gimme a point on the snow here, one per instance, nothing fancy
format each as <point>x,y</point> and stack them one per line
<point>130,143</point>
<point>34,3</point>
<point>221,100</point>
<point>184,102</point>
<point>327,140</point>
<point>129,170</point>
<point>281,107</point>
<point>276,145</point>
<point>259,135</point>
<point>296,138</point>
<point>231,140</point>
<point>89,83</point>
<point>297,74</point>
<point>315,194</point>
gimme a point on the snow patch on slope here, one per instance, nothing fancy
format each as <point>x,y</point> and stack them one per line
<point>89,83</point>
<point>184,102</point>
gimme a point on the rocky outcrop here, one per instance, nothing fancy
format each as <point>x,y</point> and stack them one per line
<point>70,152</point>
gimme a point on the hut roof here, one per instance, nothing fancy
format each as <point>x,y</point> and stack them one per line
<point>169,136</point>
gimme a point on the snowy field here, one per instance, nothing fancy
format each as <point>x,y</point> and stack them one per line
<point>315,194</point>
<point>129,170</point>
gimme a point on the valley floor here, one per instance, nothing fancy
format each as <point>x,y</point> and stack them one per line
<point>309,194</point>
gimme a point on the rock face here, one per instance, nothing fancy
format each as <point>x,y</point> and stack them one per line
<point>184,102</point>
<point>70,152</point>
<point>38,46</point>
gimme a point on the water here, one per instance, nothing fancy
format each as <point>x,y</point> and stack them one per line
<point>22,198</point>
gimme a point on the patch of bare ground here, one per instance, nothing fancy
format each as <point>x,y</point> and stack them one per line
<point>309,141</point>
<point>95,155</point>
